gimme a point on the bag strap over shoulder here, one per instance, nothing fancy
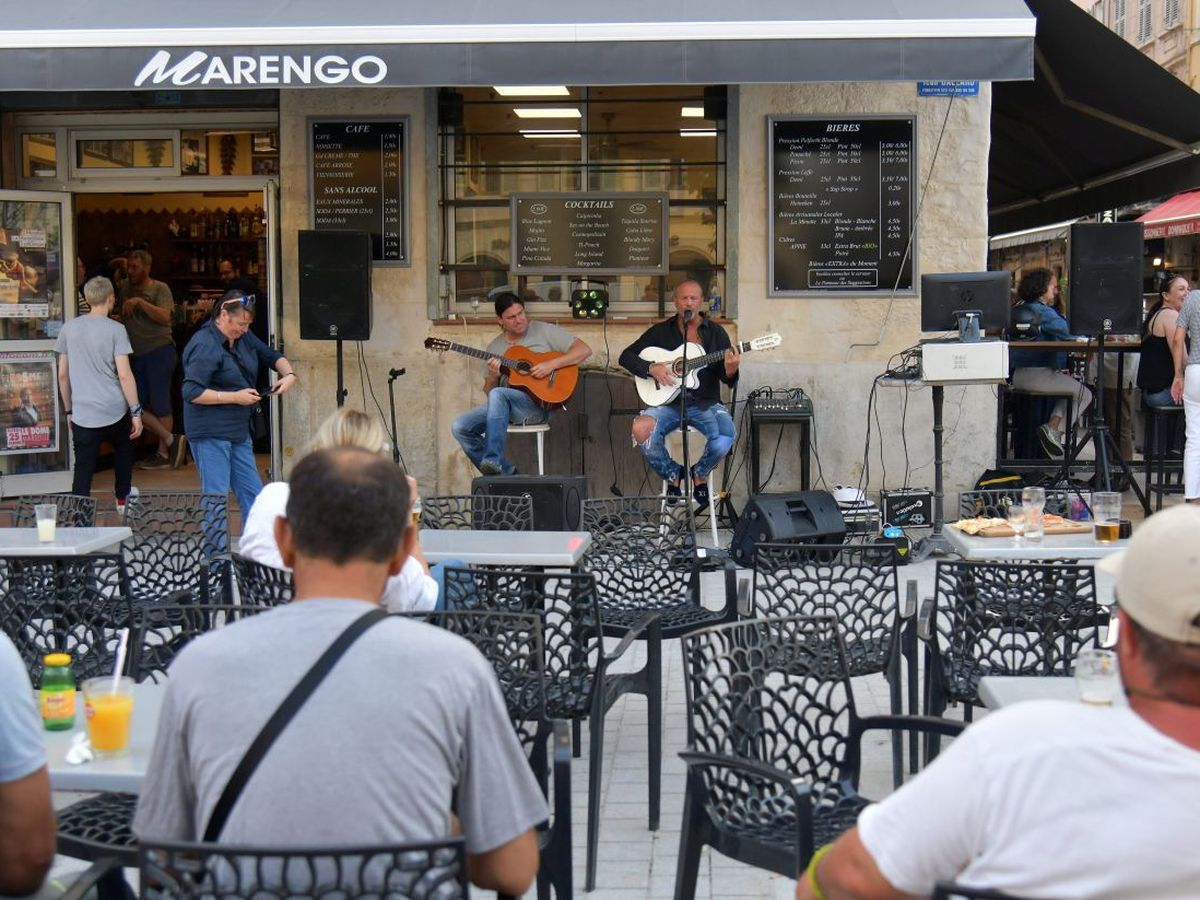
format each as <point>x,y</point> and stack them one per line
<point>283,715</point>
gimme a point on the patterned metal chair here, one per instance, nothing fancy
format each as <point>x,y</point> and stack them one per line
<point>858,586</point>
<point>485,512</point>
<point>162,630</point>
<point>261,585</point>
<point>774,743</point>
<point>435,870</point>
<point>73,605</point>
<point>579,685</point>
<point>74,510</point>
<point>645,561</point>
<point>1005,619</point>
<point>512,643</point>
<point>994,502</point>
<point>179,548</point>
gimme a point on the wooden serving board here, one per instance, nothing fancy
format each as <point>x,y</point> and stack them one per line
<point>997,531</point>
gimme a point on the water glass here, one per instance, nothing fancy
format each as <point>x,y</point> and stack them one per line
<point>1106,514</point>
<point>47,521</point>
<point>1033,502</point>
<point>1015,513</point>
<point>1097,676</point>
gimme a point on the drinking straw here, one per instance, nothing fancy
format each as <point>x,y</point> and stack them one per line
<point>122,646</point>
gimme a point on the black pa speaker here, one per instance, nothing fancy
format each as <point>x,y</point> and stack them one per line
<point>1106,278</point>
<point>335,285</point>
<point>450,109</point>
<point>803,517</point>
<point>557,499</point>
<point>716,102</point>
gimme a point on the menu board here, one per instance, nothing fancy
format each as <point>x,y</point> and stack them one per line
<point>841,204</point>
<point>358,180</point>
<point>601,234</point>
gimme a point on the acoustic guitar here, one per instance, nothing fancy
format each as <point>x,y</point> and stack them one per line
<point>654,394</point>
<point>518,361</point>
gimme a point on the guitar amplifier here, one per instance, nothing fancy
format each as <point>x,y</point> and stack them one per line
<point>557,499</point>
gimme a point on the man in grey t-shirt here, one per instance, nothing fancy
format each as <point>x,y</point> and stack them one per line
<point>147,308</point>
<point>483,431</point>
<point>98,390</point>
<point>407,731</point>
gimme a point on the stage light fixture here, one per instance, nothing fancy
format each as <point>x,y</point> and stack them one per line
<point>589,303</point>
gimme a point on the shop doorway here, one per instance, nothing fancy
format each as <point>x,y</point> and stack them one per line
<point>201,243</point>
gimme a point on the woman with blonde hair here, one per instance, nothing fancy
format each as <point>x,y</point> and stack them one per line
<point>413,590</point>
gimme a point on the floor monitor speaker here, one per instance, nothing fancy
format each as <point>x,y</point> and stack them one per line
<point>1106,278</point>
<point>557,499</point>
<point>802,517</point>
<point>335,285</point>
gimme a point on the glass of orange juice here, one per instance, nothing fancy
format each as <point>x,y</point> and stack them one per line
<point>108,712</point>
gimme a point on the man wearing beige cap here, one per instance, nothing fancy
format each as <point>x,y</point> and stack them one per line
<point>1059,799</point>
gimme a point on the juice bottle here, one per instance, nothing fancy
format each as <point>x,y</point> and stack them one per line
<point>58,692</point>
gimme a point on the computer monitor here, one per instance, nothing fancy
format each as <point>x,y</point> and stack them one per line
<point>945,293</point>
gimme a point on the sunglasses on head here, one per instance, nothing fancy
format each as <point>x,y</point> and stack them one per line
<point>247,302</point>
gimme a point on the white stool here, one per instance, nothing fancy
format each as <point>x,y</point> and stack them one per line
<point>540,431</point>
<point>714,478</point>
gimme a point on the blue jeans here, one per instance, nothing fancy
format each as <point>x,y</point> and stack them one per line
<point>483,431</point>
<point>714,422</point>
<point>1159,398</point>
<point>224,464</point>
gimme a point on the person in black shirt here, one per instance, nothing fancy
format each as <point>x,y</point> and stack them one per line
<point>704,408</point>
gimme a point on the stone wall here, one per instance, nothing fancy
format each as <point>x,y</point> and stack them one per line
<point>819,332</point>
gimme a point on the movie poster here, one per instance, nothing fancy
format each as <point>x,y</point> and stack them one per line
<point>28,403</point>
<point>30,268</point>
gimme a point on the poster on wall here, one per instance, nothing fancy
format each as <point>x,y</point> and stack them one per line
<point>29,398</point>
<point>24,263</point>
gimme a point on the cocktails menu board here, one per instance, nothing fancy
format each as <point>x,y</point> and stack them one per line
<point>841,204</point>
<point>601,234</point>
<point>358,182</point>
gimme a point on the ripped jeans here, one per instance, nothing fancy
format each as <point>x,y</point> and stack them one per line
<point>714,422</point>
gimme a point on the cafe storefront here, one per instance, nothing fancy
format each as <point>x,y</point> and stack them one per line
<point>718,116</point>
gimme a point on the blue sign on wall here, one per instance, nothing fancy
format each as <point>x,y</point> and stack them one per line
<point>947,88</point>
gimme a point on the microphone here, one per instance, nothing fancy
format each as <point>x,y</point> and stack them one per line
<point>688,315</point>
<point>395,373</point>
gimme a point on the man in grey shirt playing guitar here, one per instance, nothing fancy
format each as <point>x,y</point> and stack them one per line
<point>701,387</point>
<point>483,431</point>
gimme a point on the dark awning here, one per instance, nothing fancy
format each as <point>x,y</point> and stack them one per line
<point>1100,126</point>
<point>70,45</point>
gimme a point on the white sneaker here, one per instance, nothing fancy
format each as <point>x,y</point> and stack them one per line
<point>1051,441</point>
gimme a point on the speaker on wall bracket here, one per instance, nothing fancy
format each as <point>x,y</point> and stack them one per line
<point>335,285</point>
<point>1106,278</point>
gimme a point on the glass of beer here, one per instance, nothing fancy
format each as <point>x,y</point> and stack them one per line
<point>108,704</point>
<point>1106,514</point>
<point>416,512</point>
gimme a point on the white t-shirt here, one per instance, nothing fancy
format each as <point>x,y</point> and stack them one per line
<point>410,591</point>
<point>1047,799</point>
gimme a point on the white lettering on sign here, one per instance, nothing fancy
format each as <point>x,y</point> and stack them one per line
<point>266,69</point>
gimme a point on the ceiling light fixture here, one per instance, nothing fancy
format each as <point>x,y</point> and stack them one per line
<point>697,132</point>
<point>549,133</point>
<point>692,112</point>
<point>532,90</point>
<point>547,112</point>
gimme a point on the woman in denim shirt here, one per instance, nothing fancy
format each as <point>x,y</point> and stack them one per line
<point>1041,371</point>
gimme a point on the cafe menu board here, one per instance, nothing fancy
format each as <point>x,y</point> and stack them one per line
<point>600,234</point>
<point>358,179</point>
<point>841,204</point>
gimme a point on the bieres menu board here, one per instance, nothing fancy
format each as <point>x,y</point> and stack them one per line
<point>841,204</point>
<point>602,234</point>
<point>358,176</point>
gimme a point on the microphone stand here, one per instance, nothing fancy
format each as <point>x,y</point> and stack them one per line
<point>687,317</point>
<point>393,374</point>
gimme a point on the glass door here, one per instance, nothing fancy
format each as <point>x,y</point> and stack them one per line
<point>37,291</point>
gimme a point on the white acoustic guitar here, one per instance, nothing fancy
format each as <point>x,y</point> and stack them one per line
<point>654,394</point>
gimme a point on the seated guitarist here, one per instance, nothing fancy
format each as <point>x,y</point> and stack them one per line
<point>705,411</point>
<point>483,431</point>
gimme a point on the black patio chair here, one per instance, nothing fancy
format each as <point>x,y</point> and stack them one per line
<point>179,547</point>
<point>162,630</point>
<point>1004,619</point>
<point>74,510</point>
<point>259,584</point>
<point>579,684</point>
<point>433,870</point>
<point>486,512</point>
<point>858,586</point>
<point>994,502</point>
<point>774,743</point>
<point>64,604</point>
<point>512,643</point>
<point>947,890</point>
